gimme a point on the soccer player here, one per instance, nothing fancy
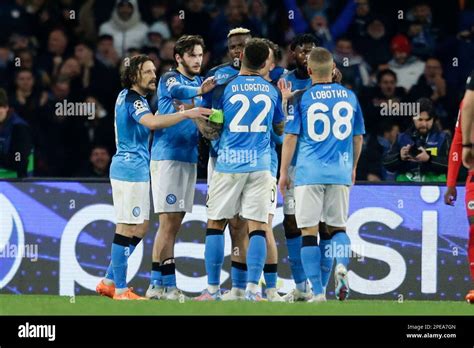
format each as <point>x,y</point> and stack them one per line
<point>129,171</point>
<point>270,270</point>
<point>326,120</point>
<point>242,182</point>
<point>454,165</point>
<point>468,123</point>
<point>174,155</point>
<point>299,79</point>
<point>236,39</point>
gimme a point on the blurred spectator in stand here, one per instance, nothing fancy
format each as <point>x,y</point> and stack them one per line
<point>420,154</point>
<point>318,23</point>
<point>235,14</point>
<point>423,44</point>
<point>375,146</point>
<point>100,129</point>
<point>62,137</point>
<point>354,69</point>
<point>177,27</point>
<point>157,34</point>
<point>16,142</point>
<point>96,78</point>
<point>167,50</point>
<point>6,57</point>
<point>51,60</point>
<point>363,16</point>
<point>374,46</point>
<point>197,20</point>
<point>14,18</point>
<point>125,26</point>
<point>106,53</point>
<point>98,165</point>
<point>27,99</point>
<point>432,85</point>
<point>408,68</point>
<point>374,98</point>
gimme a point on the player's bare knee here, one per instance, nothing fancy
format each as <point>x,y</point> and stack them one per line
<point>142,229</point>
<point>290,227</point>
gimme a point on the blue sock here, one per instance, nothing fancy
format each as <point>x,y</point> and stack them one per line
<point>326,260</point>
<point>214,255</point>
<point>120,254</point>
<point>294,255</point>
<point>270,274</point>
<point>109,274</point>
<point>311,257</point>
<point>341,244</point>
<point>256,256</point>
<point>155,278</point>
<point>239,275</point>
<point>168,273</point>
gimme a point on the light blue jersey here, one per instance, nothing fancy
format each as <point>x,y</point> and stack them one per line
<point>178,142</point>
<point>325,117</point>
<point>274,141</point>
<point>221,73</point>
<point>250,105</point>
<point>131,162</point>
<point>296,85</point>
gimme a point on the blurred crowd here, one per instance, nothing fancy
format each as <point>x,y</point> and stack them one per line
<point>50,51</point>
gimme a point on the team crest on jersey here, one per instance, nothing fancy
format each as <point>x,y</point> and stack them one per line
<point>136,211</point>
<point>470,205</point>
<point>171,199</point>
<point>171,82</point>
<point>139,106</point>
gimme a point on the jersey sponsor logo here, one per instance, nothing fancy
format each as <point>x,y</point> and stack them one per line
<point>139,106</point>
<point>136,211</point>
<point>470,205</point>
<point>171,199</point>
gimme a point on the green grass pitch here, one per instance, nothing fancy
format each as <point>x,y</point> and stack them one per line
<point>96,305</point>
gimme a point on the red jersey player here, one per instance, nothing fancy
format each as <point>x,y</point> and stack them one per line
<point>455,162</point>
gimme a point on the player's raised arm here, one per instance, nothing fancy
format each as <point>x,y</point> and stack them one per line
<point>292,130</point>
<point>165,121</point>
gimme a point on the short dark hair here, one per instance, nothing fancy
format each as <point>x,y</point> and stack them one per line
<point>384,72</point>
<point>274,47</point>
<point>131,70</point>
<point>3,98</point>
<point>186,43</point>
<point>105,37</point>
<point>302,39</point>
<point>256,52</point>
<point>426,105</point>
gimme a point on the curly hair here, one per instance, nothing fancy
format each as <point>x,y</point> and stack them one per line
<point>131,70</point>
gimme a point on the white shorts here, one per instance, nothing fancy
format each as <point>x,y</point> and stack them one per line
<point>211,164</point>
<point>289,199</point>
<point>131,201</point>
<point>274,197</point>
<point>314,201</point>
<point>172,185</point>
<point>246,193</point>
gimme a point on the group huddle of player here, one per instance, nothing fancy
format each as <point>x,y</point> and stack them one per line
<point>245,108</point>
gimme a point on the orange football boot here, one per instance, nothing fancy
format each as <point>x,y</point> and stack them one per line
<point>105,290</point>
<point>470,297</point>
<point>128,295</point>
